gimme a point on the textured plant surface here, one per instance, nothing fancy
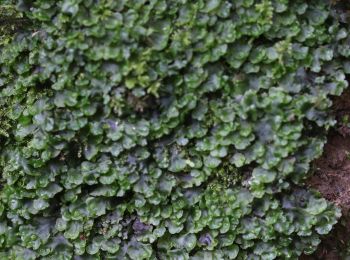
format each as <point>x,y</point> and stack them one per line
<point>167,129</point>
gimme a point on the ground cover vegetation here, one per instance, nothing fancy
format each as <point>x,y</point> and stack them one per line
<point>166,129</point>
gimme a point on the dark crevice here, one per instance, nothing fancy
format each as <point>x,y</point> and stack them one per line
<point>331,178</point>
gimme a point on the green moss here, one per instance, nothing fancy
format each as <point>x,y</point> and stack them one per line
<point>226,176</point>
<point>129,125</point>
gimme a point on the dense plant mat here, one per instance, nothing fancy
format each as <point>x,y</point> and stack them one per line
<point>167,129</point>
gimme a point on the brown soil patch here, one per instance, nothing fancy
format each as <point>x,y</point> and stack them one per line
<point>332,176</point>
<point>332,179</point>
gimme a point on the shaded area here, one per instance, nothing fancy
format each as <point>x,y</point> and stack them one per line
<point>332,179</point>
<point>332,171</point>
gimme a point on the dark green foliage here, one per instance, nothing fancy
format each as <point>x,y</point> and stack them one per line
<point>167,129</point>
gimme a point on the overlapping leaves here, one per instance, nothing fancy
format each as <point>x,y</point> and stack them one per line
<point>167,129</point>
